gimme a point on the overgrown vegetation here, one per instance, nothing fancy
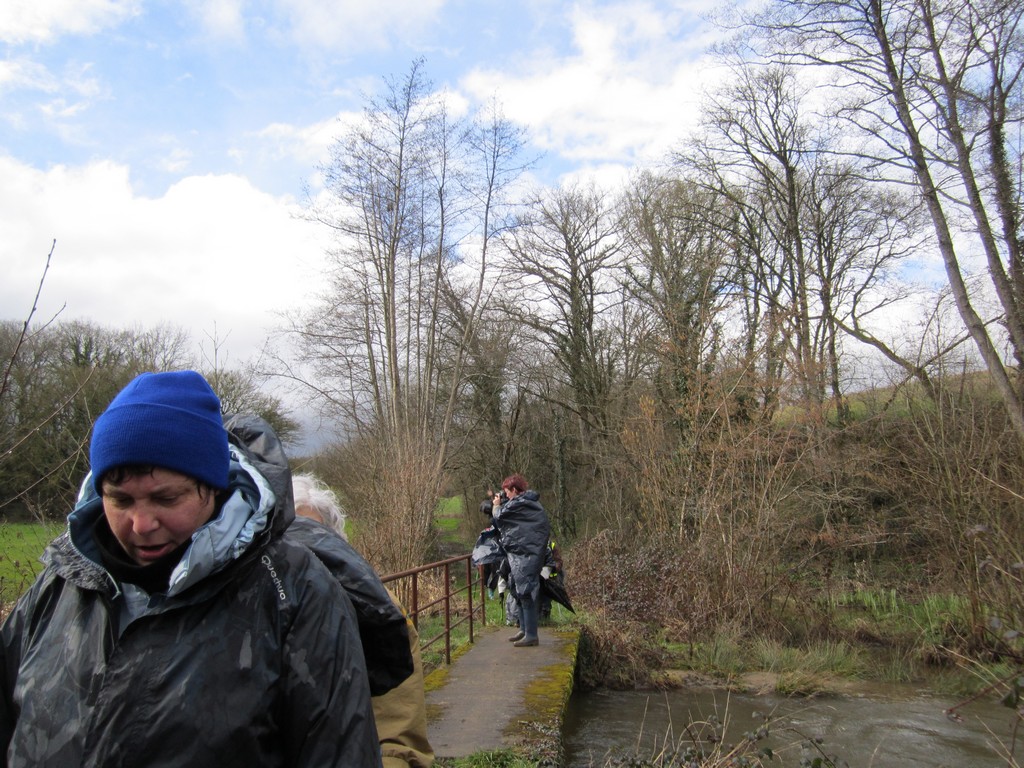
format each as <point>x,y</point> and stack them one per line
<point>704,744</point>
<point>744,456</point>
<point>499,759</point>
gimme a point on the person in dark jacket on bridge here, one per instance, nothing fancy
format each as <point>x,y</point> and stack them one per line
<point>173,623</point>
<point>524,528</point>
<point>553,570</point>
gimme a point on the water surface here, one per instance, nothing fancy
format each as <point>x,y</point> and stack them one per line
<point>889,726</point>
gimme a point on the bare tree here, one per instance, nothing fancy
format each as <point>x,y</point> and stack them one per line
<point>562,271</point>
<point>934,92</point>
<point>815,242</point>
<point>859,234</point>
<point>378,177</point>
<point>561,285</point>
<point>416,199</point>
<point>677,244</point>
<point>755,154</point>
<point>479,345</point>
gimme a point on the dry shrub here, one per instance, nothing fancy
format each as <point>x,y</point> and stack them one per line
<point>723,535</point>
<point>628,579</point>
<point>724,498</point>
<point>390,490</point>
<point>657,468</point>
<point>619,654</point>
<point>960,468</point>
<point>659,583</point>
<point>429,592</point>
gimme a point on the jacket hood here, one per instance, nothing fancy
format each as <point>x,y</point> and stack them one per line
<point>256,439</point>
<point>383,628</point>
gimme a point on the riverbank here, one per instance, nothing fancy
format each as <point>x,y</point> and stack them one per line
<point>804,702</point>
<point>828,653</point>
<point>806,645</point>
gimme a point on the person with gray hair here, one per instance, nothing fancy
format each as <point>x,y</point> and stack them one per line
<point>318,502</point>
<point>399,708</point>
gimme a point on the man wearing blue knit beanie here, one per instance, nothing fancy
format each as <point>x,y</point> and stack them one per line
<point>173,623</point>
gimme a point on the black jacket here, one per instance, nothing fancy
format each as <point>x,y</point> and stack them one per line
<point>525,531</point>
<point>251,658</point>
<point>382,625</point>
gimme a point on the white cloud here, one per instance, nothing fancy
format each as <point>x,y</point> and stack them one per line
<point>223,19</point>
<point>307,144</point>
<point>60,109</point>
<point>213,253</point>
<point>71,94</point>
<point>24,21</point>
<point>23,73</point>
<point>356,24</point>
<point>294,146</point>
<point>628,91</point>
<point>176,160</point>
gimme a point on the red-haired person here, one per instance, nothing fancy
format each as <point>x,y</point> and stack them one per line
<point>525,530</point>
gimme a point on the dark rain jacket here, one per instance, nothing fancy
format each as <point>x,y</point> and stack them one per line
<point>524,528</point>
<point>251,658</point>
<point>488,550</point>
<point>382,625</point>
<point>390,643</point>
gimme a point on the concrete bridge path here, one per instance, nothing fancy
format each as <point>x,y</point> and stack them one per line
<point>497,696</point>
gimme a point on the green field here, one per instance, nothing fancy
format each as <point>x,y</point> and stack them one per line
<point>448,518</point>
<point>20,547</point>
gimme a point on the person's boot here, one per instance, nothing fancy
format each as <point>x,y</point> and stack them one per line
<point>517,637</point>
<point>528,621</point>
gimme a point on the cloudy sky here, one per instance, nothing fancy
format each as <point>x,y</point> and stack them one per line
<point>166,146</point>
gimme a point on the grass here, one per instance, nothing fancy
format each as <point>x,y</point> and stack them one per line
<point>450,507</point>
<point>447,526</point>
<point>722,655</point>
<point>504,758</point>
<point>809,669</point>
<point>934,621</point>
<point>827,657</point>
<point>21,544</point>
<point>797,670</point>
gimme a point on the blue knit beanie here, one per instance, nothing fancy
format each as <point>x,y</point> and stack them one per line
<point>169,420</point>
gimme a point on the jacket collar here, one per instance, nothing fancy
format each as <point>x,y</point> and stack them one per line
<point>224,538</point>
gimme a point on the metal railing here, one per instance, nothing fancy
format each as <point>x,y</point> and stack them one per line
<point>442,604</point>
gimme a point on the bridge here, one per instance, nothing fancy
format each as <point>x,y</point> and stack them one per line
<point>494,696</point>
<point>489,695</point>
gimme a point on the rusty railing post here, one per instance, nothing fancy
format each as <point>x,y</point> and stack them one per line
<point>483,600</point>
<point>469,596</point>
<point>415,602</point>
<point>433,606</point>
<point>447,614</point>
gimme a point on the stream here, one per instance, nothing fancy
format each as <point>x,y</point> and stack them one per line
<point>879,727</point>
